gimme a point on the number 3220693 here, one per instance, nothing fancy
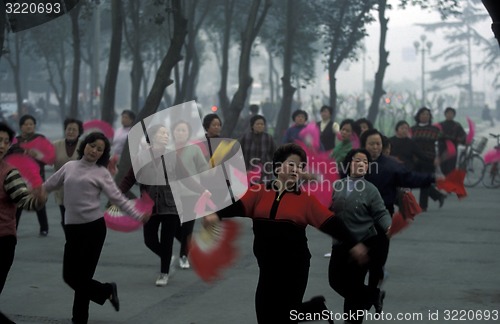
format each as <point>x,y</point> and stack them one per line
<point>32,8</point>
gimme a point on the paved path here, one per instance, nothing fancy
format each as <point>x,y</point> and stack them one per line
<point>448,259</point>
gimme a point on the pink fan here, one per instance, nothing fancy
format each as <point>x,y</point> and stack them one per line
<point>200,208</point>
<point>118,221</point>
<point>43,148</point>
<point>28,168</point>
<point>321,165</point>
<point>97,125</point>
<point>472,131</point>
<point>355,141</point>
<point>492,156</point>
<point>450,149</point>
<point>212,249</point>
<point>310,135</point>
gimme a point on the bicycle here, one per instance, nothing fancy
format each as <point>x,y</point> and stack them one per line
<point>471,161</point>
<point>491,177</point>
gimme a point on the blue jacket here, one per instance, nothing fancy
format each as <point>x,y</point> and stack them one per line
<point>387,175</point>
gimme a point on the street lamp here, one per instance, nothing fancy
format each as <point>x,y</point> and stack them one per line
<point>422,46</point>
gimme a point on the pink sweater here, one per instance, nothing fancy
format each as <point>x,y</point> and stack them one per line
<point>83,183</point>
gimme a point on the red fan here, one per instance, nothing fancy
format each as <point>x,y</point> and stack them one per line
<point>409,206</point>
<point>97,125</point>
<point>118,221</point>
<point>43,148</point>
<point>28,168</point>
<point>398,223</point>
<point>212,249</point>
<point>454,182</point>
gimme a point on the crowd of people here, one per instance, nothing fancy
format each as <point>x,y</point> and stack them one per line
<point>372,169</point>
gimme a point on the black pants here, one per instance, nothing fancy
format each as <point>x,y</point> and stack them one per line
<point>427,192</point>
<point>182,234</point>
<point>7,251</point>
<point>81,254</point>
<point>62,209</point>
<point>279,292</point>
<point>161,246</point>
<point>41,215</point>
<point>347,278</point>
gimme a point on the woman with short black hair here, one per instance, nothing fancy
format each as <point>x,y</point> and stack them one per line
<point>83,182</point>
<point>280,212</point>
<point>27,124</point>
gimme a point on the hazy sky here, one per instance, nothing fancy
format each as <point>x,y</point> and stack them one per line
<point>402,33</point>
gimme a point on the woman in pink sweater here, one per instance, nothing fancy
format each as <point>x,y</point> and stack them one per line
<point>83,181</point>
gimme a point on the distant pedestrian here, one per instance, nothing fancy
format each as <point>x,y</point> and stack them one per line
<point>328,128</point>
<point>258,147</point>
<point>349,131</point>
<point>27,124</point>
<point>486,115</point>
<point>427,137</point>
<point>66,150</point>
<point>403,148</point>
<point>299,118</point>
<point>454,132</point>
<point>363,125</point>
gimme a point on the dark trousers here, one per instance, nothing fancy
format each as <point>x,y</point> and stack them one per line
<point>183,234</point>
<point>62,209</point>
<point>448,165</point>
<point>81,254</point>
<point>161,246</point>
<point>279,292</point>
<point>42,218</point>
<point>427,192</point>
<point>347,278</point>
<point>7,251</point>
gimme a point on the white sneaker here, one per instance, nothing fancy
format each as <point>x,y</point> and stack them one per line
<point>184,262</point>
<point>162,280</point>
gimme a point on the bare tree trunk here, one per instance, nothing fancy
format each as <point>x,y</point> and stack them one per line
<point>137,71</point>
<point>228,20</point>
<point>288,89</point>
<point>162,79</point>
<point>190,72</point>
<point>75,85</point>
<point>109,92</point>
<point>271,80</point>
<point>378,90</point>
<point>252,28</point>
<point>3,23</point>
<point>193,78</point>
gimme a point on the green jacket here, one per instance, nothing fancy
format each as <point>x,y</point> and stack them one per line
<point>361,209</point>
